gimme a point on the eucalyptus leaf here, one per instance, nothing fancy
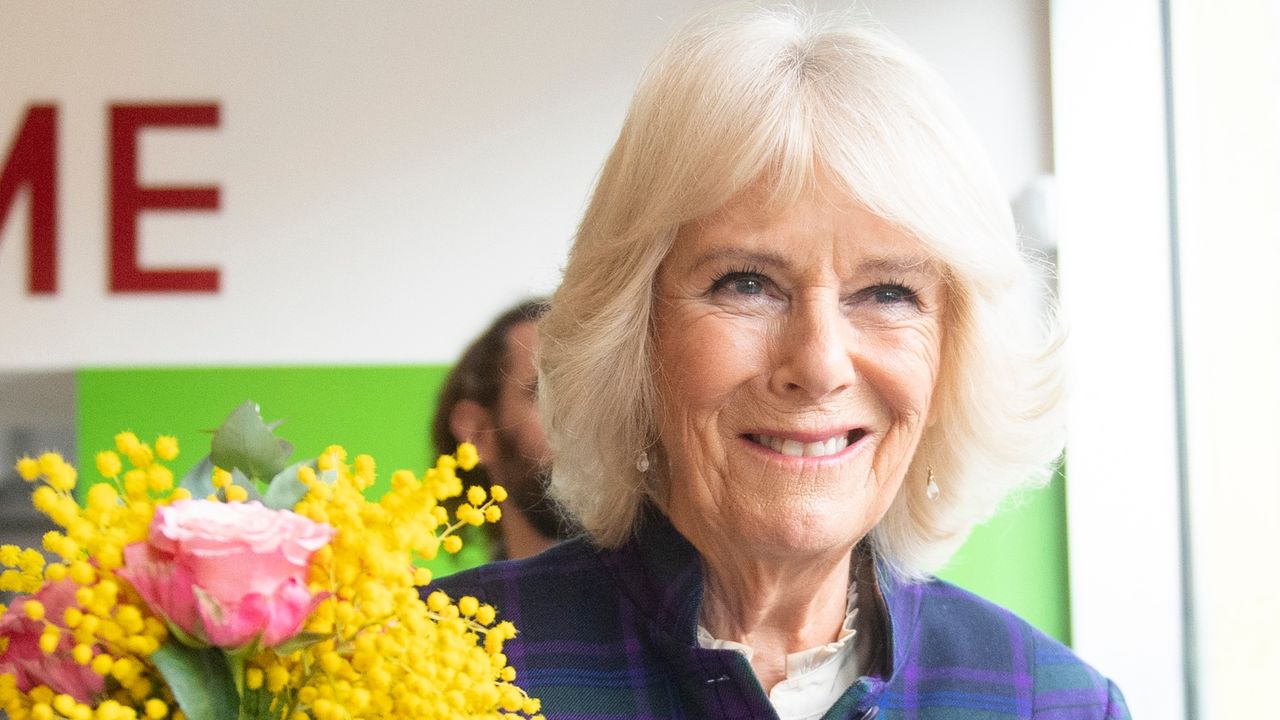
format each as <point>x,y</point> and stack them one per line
<point>200,680</point>
<point>244,442</point>
<point>199,479</point>
<point>251,488</point>
<point>285,490</point>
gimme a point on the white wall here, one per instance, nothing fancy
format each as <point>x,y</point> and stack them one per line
<point>1118,291</point>
<point>391,175</point>
<point>1227,92</point>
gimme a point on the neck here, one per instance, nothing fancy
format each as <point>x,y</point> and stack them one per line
<point>519,537</point>
<point>777,608</point>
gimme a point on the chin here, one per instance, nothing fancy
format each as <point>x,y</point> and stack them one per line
<point>803,529</point>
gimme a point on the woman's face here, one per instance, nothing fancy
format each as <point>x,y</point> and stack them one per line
<point>797,357</point>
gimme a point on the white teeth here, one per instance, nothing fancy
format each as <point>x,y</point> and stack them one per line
<point>795,448</point>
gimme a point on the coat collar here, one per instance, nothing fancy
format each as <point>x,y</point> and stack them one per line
<point>662,574</point>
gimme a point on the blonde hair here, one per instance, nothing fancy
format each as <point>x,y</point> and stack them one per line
<point>773,98</point>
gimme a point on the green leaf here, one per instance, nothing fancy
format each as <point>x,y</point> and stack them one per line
<point>235,663</point>
<point>183,636</point>
<point>251,488</point>
<point>244,442</point>
<point>200,681</point>
<point>199,479</point>
<point>256,705</point>
<point>300,641</point>
<point>285,490</point>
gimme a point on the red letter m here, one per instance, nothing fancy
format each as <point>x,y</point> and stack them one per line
<point>33,163</point>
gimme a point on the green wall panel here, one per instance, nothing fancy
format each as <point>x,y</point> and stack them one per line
<point>1018,559</point>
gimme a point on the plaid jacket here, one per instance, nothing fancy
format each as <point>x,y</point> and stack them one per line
<point>611,634</point>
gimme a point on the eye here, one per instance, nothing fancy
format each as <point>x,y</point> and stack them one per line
<point>892,294</point>
<point>741,282</point>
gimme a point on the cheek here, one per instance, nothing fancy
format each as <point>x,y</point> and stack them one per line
<point>703,361</point>
<point>905,371</point>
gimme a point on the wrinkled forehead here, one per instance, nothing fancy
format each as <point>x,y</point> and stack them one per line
<point>760,220</point>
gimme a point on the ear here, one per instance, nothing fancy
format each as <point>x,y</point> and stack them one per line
<point>471,422</point>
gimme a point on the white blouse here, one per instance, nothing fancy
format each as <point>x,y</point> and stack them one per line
<point>816,677</point>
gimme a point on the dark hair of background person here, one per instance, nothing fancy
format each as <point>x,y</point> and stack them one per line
<point>477,376</point>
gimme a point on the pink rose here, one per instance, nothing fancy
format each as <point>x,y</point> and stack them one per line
<point>23,657</point>
<point>228,573</point>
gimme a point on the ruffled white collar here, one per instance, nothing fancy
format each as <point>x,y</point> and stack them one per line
<point>817,677</point>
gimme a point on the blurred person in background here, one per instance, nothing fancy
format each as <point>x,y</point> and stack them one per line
<point>489,400</point>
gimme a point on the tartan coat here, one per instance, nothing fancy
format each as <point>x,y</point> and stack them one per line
<point>611,635</point>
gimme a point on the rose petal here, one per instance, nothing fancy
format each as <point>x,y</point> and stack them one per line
<point>229,581</point>
<point>233,627</point>
<point>28,664</point>
<point>291,606</point>
<point>269,619</point>
<point>248,565</point>
<point>165,585</point>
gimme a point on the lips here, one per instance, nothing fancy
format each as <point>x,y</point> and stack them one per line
<point>791,447</point>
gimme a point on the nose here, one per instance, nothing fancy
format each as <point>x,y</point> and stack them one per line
<point>814,351</point>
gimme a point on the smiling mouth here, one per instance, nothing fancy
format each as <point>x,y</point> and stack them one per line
<point>821,448</point>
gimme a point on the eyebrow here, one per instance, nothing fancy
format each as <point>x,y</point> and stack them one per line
<point>897,266</point>
<point>911,264</point>
<point>755,257</point>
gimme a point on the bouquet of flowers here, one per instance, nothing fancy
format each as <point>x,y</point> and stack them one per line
<point>251,588</point>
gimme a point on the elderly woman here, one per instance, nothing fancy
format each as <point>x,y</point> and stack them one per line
<point>788,369</point>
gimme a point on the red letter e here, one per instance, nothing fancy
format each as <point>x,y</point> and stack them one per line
<point>128,199</point>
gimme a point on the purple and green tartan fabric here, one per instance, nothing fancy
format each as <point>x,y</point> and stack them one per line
<point>611,634</point>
